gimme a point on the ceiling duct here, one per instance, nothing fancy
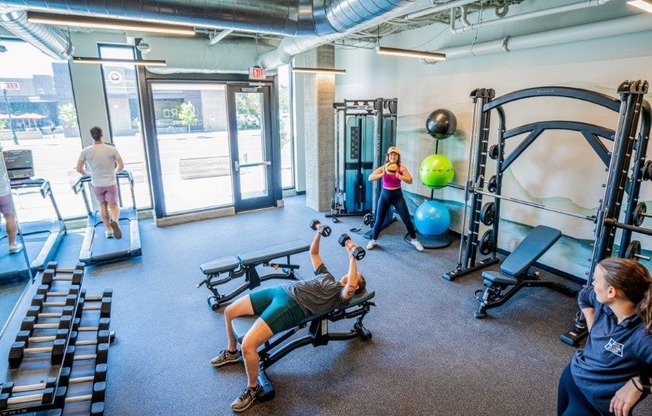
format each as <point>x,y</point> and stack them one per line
<point>50,40</point>
<point>306,23</point>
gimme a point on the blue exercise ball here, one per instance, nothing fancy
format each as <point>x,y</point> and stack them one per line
<point>432,218</point>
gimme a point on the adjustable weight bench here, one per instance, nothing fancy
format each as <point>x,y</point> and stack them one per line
<point>318,334</point>
<point>221,271</point>
<point>515,272</point>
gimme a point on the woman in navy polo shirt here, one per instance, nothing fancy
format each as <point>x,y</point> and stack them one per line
<point>611,374</point>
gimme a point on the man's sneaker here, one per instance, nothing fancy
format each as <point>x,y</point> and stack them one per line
<point>117,232</point>
<point>372,244</point>
<point>15,248</point>
<point>246,399</point>
<point>416,244</point>
<point>225,357</point>
<point>108,233</point>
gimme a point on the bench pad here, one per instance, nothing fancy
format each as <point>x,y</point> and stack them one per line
<point>540,239</point>
<point>273,252</point>
<point>498,277</point>
<point>242,324</point>
<point>220,265</point>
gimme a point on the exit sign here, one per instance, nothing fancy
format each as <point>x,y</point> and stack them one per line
<point>256,72</point>
<point>10,86</point>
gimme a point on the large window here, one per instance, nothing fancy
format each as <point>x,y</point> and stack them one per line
<point>37,112</point>
<point>121,89</point>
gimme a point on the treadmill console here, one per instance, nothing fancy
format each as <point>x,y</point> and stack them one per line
<point>19,163</point>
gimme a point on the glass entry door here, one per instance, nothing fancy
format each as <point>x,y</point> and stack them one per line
<point>212,147</point>
<point>251,146</point>
<point>192,154</point>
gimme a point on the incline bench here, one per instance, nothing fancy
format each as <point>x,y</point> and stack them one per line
<point>317,335</point>
<point>515,271</point>
<point>246,264</point>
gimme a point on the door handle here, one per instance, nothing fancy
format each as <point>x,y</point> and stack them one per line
<point>250,165</point>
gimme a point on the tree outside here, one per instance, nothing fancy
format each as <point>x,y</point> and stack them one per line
<point>68,114</point>
<point>186,115</point>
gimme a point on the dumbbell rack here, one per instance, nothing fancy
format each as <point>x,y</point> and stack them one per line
<point>57,341</point>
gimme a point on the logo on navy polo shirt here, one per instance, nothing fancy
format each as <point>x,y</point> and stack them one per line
<point>615,347</point>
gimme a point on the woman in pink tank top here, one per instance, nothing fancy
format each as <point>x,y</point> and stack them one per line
<point>392,173</point>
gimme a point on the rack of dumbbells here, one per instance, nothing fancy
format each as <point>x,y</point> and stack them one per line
<point>58,342</point>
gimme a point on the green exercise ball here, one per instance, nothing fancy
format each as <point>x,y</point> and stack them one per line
<point>436,171</point>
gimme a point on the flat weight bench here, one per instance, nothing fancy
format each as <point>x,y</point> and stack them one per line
<point>515,272</point>
<point>223,270</point>
<point>318,334</point>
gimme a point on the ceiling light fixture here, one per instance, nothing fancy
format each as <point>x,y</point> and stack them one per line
<point>382,50</point>
<point>114,24</point>
<point>645,5</point>
<point>108,61</point>
<point>319,70</point>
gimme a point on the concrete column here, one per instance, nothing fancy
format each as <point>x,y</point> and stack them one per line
<point>88,86</point>
<point>317,95</point>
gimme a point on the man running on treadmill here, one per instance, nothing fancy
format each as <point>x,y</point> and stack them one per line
<point>104,162</point>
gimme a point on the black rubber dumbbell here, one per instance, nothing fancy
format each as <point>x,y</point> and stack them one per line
<point>95,397</point>
<point>104,307</point>
<point>100,356</point>
<point>358,252</point>
<point>8,389</point>
<point>37,311</point>
<point>103,337</point>
<point>30,323</point>
<point>44,290</point>
<point>99,375</point>
<point>45,397</point>
<point>27,337</point>
<point>325,230</point>
<point>19,349</point>
<point>50,275</point>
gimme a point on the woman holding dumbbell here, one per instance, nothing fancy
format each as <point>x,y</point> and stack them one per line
<point>392,173</point>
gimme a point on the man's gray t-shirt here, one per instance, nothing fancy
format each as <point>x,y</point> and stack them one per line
<point>319,294</point>
<point>100,160</point>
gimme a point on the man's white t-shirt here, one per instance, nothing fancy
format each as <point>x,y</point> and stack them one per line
<point>100,160</point>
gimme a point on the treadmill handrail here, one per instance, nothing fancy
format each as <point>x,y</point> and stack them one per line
<point>126,174</point>
<point>45,189</point>
<point>43,184</point>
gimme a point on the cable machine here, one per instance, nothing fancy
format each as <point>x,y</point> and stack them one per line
<point>364,130</point>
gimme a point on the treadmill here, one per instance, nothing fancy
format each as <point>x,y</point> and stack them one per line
<point>96,248</point>
<point>40,236</point>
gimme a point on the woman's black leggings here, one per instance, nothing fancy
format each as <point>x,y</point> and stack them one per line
<point>570,399</point>
<point>392,197</point>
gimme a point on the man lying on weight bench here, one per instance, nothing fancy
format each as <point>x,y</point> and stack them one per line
<point>281,308</point>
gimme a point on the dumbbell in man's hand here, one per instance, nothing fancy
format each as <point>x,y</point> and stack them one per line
<point>357,251</point>
<point>324,230</point>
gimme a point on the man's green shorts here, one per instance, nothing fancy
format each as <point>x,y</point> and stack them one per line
<point>276,308</point>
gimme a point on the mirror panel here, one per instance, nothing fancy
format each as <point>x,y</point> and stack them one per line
<point>15,271</point>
